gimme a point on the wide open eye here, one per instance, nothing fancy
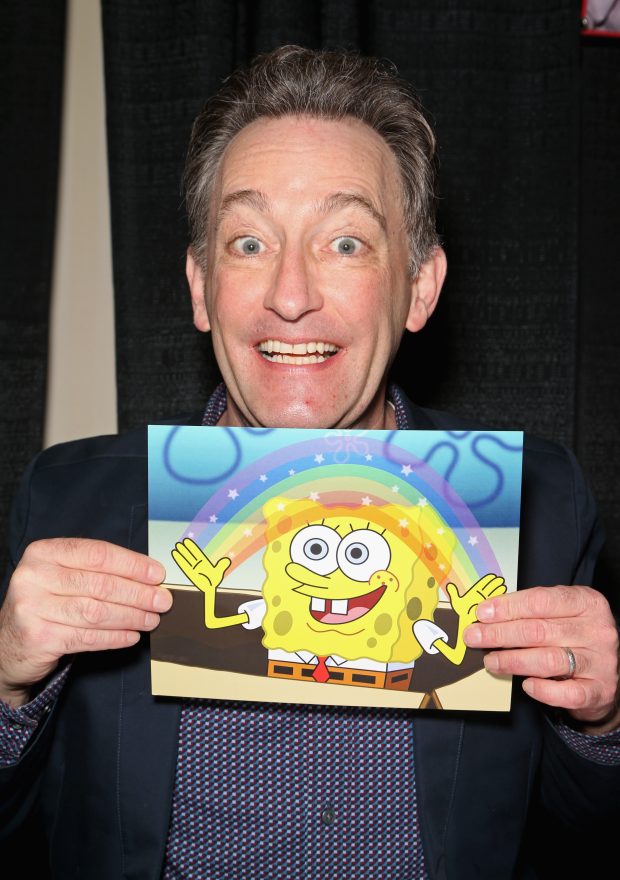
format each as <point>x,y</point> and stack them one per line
<point>315,548</point>
<point>363,552</point>
<point>248,245</point>
<point>346,245</point>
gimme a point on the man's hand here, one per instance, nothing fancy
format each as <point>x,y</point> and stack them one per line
<point>533,627</point>
<point>72,595</point>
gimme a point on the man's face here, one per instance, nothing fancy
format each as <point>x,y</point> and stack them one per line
<point>307,290</point>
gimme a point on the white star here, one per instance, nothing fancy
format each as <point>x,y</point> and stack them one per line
<point>366,500</point>
<point>291,473</point>
<point>368,456</point>
<point>190,534</point>
<point>440,530</point>
<point>428,546</point>
<point>406,469</point>
<point>422,502</point>
<point>394,488</point>
<point>263,478</point>
<point>314,496</point>
<point>442,566</point>
<point>231,555</point>
<point>213,518</point>
<point>403,523</point>
<point>280,506</point>
<point>232,493</point>
<point>473,540</point>
<point>248,533</point>
<point>319,458</point>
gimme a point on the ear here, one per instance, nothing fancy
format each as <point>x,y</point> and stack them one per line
<point>195,279</point>
<point>425,290</point>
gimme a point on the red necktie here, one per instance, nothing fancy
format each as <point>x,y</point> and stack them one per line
<point>321,672</point>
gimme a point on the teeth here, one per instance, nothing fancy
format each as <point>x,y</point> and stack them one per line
<point>303,352</point>
<point>317,604</point>
<point>286,359</point>
<point>340,606</point>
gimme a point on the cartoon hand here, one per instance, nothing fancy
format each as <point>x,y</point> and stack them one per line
<point>199,569</point>
<point>465,608</point>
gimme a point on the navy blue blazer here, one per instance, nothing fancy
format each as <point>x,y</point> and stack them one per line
<point>101,767</point>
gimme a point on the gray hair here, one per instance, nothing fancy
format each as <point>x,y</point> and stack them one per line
<point>294,81</point>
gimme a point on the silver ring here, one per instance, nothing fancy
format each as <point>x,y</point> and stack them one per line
<point>572,665</point>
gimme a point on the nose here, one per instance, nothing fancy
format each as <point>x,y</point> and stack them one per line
<point>294,290</point>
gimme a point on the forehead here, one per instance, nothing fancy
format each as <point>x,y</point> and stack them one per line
<point>307,158</point>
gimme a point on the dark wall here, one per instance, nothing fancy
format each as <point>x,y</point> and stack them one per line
<point>526,334</point>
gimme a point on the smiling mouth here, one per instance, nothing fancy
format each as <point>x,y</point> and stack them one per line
<point>279,352</point>
<point>338,611</point>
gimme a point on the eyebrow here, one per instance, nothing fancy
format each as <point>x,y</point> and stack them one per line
<point>334,202</point>
<point>338,200</point>
<point>251,197</point>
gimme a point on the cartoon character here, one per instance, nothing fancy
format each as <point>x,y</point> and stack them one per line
<point>350,592</point>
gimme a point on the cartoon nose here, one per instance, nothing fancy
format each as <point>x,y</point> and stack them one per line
<point>294,291</point>
<point>383,578</point>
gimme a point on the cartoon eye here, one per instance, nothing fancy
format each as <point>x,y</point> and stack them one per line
<point>363,552</point>
<point>315,548</point>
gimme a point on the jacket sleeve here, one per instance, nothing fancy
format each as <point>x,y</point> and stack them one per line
<point>581,785</point>
<point>19,782</point>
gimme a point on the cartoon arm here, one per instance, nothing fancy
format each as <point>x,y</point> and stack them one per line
<point>465,608</point>
<point>199,569</point>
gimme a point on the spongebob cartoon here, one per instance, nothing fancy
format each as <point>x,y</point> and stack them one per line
<point>349,593</point>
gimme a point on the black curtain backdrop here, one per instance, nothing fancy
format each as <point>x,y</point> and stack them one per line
<point>526,111</point>
<point>31,72</point>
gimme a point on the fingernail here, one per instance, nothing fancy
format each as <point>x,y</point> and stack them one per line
<point>491,662</point>
<point>485,611</point>
<point>151,619</point>
<point>472,636</point>
<point>528,687</point>
<point>162,600</point>
<point>156,572</point>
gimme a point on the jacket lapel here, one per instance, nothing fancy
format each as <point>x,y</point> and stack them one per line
<point>147,754</point>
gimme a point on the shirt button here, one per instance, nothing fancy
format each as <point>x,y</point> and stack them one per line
<point>328,816</point>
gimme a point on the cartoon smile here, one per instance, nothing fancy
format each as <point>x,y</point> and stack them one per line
<point>339,611</point>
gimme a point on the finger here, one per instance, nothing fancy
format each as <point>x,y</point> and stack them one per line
<point>453,593</point>
<point>101,587</point>
<point>495,587</point>
<point>530,633</point>
<point>182,562</point>
<point>93,555</point>
<point>222,566</point>
<point>537,662</point>
<point>540,602</point>
<point>573,694</point>
<point>84,613</point>
<point>186,554</point>
<point>77,641</point>
<point>193,549</point>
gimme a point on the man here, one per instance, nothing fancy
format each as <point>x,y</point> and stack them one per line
<point>309,187</point>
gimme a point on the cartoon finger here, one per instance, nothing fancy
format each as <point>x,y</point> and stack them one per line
<point>193,549</point>
<point>494,587</point>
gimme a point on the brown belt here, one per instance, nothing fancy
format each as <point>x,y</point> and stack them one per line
<point>397,680</point>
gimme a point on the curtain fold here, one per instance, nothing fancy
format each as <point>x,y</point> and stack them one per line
<point>32,37</point>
